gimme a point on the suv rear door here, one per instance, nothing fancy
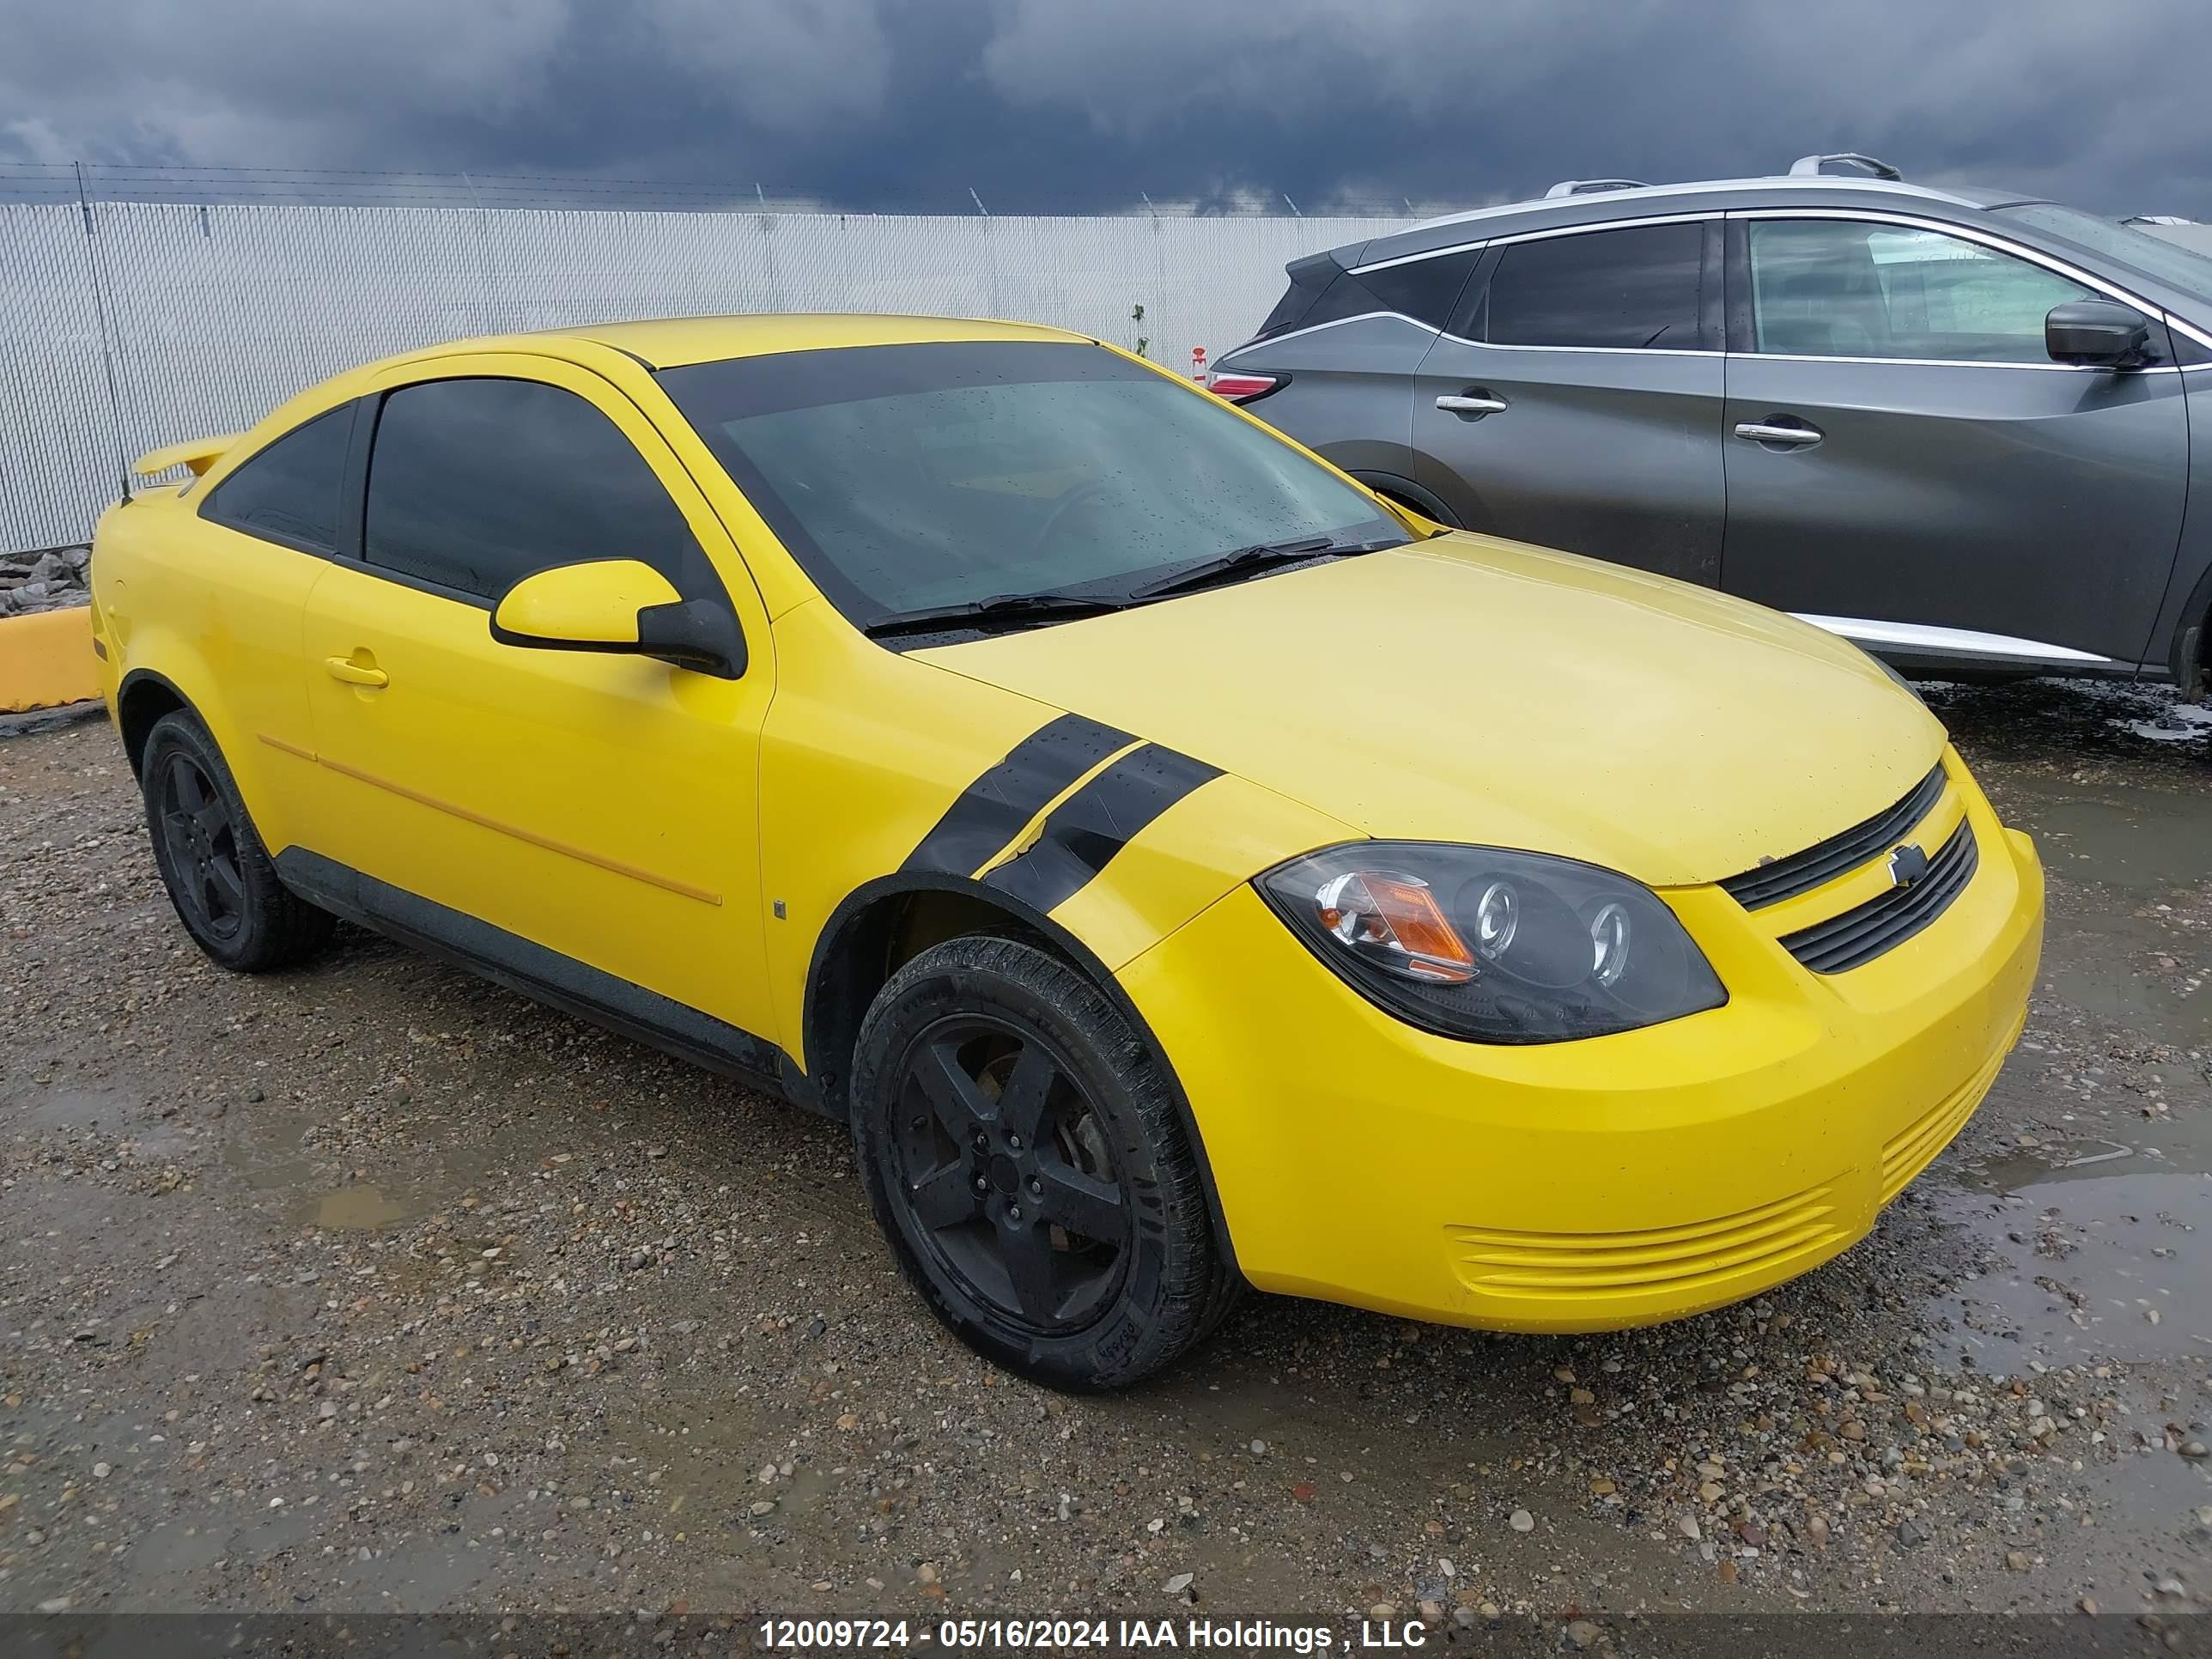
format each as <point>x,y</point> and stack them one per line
<point>1907,465</point>
<point>1575,401</point>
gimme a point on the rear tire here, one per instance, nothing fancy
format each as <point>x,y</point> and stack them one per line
<point>1026,1159</point>
<point>225,889</point>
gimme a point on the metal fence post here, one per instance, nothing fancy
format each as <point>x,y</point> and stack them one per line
<point>107,345</point>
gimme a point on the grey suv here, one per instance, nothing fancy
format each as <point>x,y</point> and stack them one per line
<point>1952,425</point>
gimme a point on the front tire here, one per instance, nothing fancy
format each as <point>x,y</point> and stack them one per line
<point>1025,1157</point>
<point>225,889</point>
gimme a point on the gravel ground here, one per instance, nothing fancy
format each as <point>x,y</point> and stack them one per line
<point>373,1287</point>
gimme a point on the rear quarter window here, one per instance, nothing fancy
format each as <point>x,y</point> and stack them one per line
<point>1424,289</point>
<point>1427,290</point>
<point>287,493</point>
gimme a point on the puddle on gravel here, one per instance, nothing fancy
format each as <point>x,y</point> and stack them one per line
<point>68,1106</point>
<point>355,1208</point>
<point>2145,842</point>
<point>2137,854</point>
<point>2107,1246</point>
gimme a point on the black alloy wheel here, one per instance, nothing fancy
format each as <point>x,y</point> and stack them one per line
<point>1006,1163</point>
<point>220,876</point>
<point>1032,1163</point>
<point>202,842</point>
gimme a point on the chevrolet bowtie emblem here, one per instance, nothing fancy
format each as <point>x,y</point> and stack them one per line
<point>1908,865</point>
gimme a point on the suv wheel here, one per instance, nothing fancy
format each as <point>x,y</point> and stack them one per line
<point>1024,1157</point>
<point>219,878</point>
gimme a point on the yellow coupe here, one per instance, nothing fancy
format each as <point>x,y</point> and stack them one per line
<point>1182,867</point>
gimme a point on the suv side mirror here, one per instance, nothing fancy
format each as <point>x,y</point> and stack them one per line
<point>624,607</point>
<point>2100,333</point>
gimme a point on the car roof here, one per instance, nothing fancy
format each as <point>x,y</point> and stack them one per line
<point>673,342</point>
<point>1649,201</point>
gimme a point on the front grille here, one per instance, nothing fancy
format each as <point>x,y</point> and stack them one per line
<point>1863,932</point>
<point>1801,872</point>
<point>1755,1241</point>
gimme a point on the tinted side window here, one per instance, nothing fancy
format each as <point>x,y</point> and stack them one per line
<point>473,485</point>
<point>1323,292</point>
<point>1424,290</point>
<point>289,492</point>
<point>1636,287</point>
<point>1829,287</point>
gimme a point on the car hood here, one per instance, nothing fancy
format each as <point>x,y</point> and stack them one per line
<point>1471,689</point>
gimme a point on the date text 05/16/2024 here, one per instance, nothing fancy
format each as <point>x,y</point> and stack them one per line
<point>1064,1634</point>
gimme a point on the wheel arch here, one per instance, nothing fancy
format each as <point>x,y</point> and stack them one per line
<point>885,922</point>
<point>1422,501</point>
<point>2192,639</point>
<point>141,699</point>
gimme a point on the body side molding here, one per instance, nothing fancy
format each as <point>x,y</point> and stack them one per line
<point>1955,641</point>
<point>545,975</point>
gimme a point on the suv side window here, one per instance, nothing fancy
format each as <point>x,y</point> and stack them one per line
<point>1831,288</point>
<point>1424,289</point>
<point>1322,291</point>
<point>288,492</point>
<point>474,483</point>
<point>1635,287</point>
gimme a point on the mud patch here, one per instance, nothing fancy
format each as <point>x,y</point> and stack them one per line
<point>361,1208</point>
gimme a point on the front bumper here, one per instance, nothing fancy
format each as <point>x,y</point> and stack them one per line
<point>1586,1186</point>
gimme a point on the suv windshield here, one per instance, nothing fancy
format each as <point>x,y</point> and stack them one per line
<point>915,478</point>
<point>2154,255</point>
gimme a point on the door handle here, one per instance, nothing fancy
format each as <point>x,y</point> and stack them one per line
<point>1473,406</point>
<point>1764,432</point>
<point>356,673</point>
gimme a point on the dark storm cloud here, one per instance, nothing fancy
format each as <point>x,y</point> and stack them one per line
<point>1054,104</point>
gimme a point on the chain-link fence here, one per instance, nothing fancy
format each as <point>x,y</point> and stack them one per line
<point>127,324</point>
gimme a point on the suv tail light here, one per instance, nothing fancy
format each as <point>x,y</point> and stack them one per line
<point>1242,387</point>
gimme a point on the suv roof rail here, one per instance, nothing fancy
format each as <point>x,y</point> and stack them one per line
<point>1592,187</point>
<point>1805,165</point>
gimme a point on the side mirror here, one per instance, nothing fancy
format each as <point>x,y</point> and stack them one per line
<point>624,607</point>
<point>2099,333</point>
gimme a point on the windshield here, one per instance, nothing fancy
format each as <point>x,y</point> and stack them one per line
<point>2155,256</point>
<point>910,477</point>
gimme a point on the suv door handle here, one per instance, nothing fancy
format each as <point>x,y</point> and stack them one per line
<point>356,673</point>
<point>1475,406</point>
<point>1765,432</point>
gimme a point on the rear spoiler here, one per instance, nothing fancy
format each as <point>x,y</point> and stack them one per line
<point>196,455</point>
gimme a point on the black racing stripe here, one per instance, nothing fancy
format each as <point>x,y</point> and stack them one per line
<point>992,810</point>
<point>1085,831</point>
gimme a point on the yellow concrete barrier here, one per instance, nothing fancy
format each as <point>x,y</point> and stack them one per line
<point>46,660</point>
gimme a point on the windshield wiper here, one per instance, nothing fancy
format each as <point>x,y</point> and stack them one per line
<point>1006,610</point>
<point>1247,561</point>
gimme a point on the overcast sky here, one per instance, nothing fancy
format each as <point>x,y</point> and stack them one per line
<point>1059,105</point>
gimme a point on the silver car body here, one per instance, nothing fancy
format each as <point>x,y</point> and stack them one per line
<point>1992,513</point>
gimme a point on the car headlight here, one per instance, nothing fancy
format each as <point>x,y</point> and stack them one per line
<point>1491,946</point>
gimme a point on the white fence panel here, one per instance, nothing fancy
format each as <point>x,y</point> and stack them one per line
<point>216,313</point>
<point>58,447</point>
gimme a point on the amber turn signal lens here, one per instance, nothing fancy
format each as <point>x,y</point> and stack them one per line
<point>1394,919</point>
